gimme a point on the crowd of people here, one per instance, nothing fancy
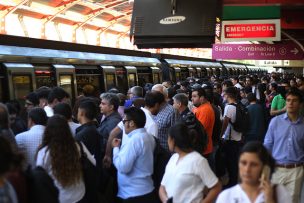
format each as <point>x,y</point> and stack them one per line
<point>238,139</point>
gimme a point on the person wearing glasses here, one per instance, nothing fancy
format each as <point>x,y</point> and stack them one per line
<point>31,101</point>
<point>134,159</point>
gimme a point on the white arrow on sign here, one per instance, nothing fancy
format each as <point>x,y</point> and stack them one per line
<point>295,51</point>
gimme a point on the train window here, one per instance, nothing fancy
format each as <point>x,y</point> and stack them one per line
<point>93,80</point>
<point>132,79</point>
<point>43,80</point>
<point>65,82</point>
<point>21,86</point>
<point>178,76</point>
<point>110,81</point>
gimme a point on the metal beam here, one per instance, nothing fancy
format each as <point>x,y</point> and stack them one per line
<point>97,12</point>
<point>114,21</point>
<point>7,12</point>
<point>61,9</point>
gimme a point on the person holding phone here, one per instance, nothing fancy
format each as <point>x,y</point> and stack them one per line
<point>255,168</point>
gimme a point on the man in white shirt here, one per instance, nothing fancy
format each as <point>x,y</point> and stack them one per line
<point>153,101</point>
<point>231,138</point>
<point>57,95</point>
<point>134,160</point>
<point>29,141</point>
<point>235,82</point>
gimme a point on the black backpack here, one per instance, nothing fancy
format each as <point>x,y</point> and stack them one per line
<point>242,121</point>
<point>200,142</point>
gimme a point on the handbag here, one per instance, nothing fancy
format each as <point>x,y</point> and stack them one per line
<point>90,178</point>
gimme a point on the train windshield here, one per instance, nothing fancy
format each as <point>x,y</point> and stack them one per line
<point>21,86</point>
<point>65,82</point>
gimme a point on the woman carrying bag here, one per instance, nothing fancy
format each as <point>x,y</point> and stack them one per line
<point>60,155</point>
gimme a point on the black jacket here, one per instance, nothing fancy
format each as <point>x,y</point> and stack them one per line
<point>89,136</point>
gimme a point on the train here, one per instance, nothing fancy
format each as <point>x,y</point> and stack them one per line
<point>25,69</point>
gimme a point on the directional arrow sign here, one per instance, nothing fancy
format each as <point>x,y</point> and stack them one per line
<point>257,51</point>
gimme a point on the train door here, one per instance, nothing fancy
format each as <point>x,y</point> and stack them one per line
<point>191,72</point>
<point>3,93</point>
<point>151,75</point>
<point>184,73</point>
<point>122,79</point>
<point>65,75</point>
<point>131,76</point>
<point>175,74</point>
<point>44,76</point>
<point>198,72</point>
<point>217,72</point>
<point>156,75</point>
<point>20,80</point>
<point>109,77</point>
<point>204,72</point>
<point>90,78</point>
<point>224,71</point>
<point>209,71</point>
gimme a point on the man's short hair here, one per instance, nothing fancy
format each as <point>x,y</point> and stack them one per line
<point>63,109</point>
<point>43,92</point>
<point>182,98</point>
<point>251,97</point>
<point>136,115</point>
<point>154,97</point>
<point>295,92</point>
<point>137,91</point>
<point>38,116</point>
<point>235,78</point>
<point>232,92</point>
<point>90,109</point>
<point>32,97</point>
<point>112,99</point>
<point>200,91</point>
<point>57,93</point>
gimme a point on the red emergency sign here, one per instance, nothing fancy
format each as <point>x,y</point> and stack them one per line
<point>250,30</point>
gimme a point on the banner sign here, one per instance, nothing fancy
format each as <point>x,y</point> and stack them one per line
<point>251,30</point>
<point>257,51</point>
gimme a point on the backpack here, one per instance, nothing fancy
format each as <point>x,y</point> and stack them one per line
<point>41,186</point>
<point>200,142</point>
<point>242,122</point>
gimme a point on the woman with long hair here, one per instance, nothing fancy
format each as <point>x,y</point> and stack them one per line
<point>5,129</point>
<point>255,168</point>
<point>187,173</point>
<point>59,154</point>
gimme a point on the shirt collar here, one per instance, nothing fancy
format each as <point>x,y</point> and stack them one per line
<point>138,130</point>
<point>300,118</point>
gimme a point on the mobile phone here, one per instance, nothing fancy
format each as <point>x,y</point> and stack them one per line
<point>265,173</point>
<point>170,200</point>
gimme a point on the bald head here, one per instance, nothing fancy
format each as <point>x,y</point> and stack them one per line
<point>160,88</point>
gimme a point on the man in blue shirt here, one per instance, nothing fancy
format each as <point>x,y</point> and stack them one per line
<point>134,159</point>
<point>133,93</point>
<point>285,140</point>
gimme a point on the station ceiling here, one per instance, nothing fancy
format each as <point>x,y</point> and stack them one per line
<point>115,15</point>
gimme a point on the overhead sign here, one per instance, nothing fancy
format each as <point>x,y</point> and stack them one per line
<point>257,51</point>
<point>269,63</point>
<point>251,30</point>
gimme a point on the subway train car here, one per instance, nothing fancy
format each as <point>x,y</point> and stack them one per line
<point>25,69</point>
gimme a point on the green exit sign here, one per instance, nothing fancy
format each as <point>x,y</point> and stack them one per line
<point>251,12</point>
